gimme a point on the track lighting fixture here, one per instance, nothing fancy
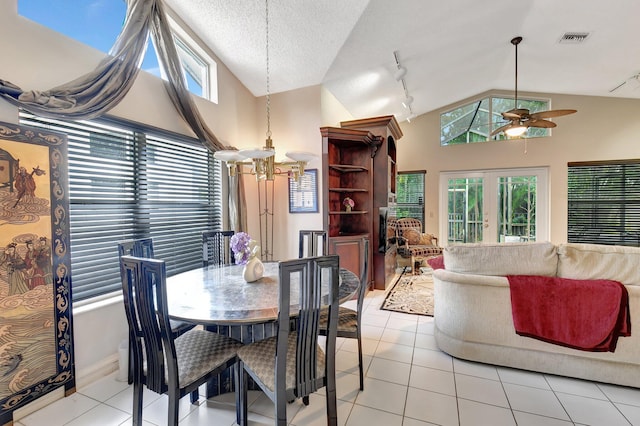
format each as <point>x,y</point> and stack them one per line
<point>399,76</point>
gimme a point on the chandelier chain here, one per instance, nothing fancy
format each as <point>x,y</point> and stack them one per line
<point>266,2</point>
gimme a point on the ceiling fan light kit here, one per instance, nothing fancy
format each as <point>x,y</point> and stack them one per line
<point>517,130</point>
<point>520,119</point>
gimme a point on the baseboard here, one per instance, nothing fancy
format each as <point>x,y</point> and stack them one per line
<point>83,378</point>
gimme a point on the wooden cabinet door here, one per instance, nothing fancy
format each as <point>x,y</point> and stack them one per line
<point>350,249</point>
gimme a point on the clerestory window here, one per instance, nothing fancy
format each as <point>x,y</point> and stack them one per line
<point>474,122</point>
<point>98,24</point>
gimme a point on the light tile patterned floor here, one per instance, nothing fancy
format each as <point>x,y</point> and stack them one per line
<point>409,382</point>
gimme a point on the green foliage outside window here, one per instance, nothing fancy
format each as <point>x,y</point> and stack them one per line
<point>474,122</point>
<point>410,195</point>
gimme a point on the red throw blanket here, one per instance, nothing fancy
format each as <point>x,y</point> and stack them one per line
<point>588,315</point>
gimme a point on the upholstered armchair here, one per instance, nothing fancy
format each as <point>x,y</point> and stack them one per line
<point>412,243</point>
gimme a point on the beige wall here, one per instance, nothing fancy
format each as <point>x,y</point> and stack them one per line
<point>602,129</point>
<point>333,112</point>
<point>295,123</point>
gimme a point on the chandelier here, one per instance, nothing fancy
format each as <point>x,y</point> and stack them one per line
<point>261,161</point>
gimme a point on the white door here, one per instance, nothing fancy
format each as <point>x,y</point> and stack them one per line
<point>506,205</point>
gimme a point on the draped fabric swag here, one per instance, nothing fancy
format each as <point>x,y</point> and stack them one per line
<point>97,92</point>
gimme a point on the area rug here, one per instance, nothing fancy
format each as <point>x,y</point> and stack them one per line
<point>411,294</point>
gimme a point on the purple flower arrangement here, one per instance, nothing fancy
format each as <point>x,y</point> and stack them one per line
<point>244,248</point>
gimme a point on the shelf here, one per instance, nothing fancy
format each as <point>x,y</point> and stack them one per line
<point>346,168</point>
<point>352,234</point>
<point>351,212</point>
<point>348,190</point>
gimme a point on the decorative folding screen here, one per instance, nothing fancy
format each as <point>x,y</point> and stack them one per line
<point>36,342</point>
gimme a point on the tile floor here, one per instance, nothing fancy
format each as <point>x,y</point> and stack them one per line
<point>408,382</point>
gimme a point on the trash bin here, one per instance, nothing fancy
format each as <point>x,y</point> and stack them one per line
<point>123,361</point>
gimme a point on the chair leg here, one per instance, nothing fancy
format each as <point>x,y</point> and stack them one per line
<point>130,365</point>
<point>332,402</point>
<point>194,396</point>
<point>360,361</point>
<point>174,401</point>
<point>281,409</point>
<point>242,389</point>
<point>137,404</point>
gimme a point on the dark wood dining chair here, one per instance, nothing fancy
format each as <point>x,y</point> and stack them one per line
<point>349,320</point>
<point>216,248</point>
<point>175,366</point>
<point>313,243</point>
<point>143,247</point>
<point>292,364</point>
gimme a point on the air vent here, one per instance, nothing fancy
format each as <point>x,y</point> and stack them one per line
<point>574,38</point>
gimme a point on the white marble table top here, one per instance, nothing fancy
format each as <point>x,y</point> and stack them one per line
<point>219,295</point>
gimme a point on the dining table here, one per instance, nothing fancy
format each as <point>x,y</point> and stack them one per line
<point>218,298</point>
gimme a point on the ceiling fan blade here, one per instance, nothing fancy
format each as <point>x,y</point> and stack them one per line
<point>517,113</point>
<point>552,113</point>
<point>541,123</point>
<point>501,129</point>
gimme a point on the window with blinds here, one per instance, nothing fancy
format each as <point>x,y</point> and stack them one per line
<point>410,195</point>
<point>604,202</point>
<point>128,182</point>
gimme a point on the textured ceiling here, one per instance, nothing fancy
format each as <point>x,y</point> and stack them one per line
<point>452,49</point>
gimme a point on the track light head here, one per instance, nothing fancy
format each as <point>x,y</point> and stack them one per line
<point>407,101</point>
<point>400,73</point>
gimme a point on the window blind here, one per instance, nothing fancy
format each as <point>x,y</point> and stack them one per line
<point>604,202</point>
<point>410,195</point>
<point>128,181</point>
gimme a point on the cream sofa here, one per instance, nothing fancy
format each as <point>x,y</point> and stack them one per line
<point>473,318</point>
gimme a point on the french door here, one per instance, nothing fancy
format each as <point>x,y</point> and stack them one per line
<point>507,205</point>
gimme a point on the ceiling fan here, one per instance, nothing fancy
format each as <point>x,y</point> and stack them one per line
<point>520,119</point>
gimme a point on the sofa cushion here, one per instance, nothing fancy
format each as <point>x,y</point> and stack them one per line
<point>436,262</point>
<point>596,261</point>
<point>502,259</point>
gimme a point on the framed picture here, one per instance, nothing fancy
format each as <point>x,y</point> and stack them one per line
<point>36,342</point>
<point>303,193</point>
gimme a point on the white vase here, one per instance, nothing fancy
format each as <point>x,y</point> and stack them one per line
<point>253,270</point>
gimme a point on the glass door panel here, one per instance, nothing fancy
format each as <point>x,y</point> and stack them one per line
<point>465,209</point>
<point>494,206</point>
<point>516,208</point>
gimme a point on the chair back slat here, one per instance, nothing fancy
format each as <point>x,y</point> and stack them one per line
<point>313,243</point>
<point>364,270</point>
<point>216,248</point>
<point>308,273</point>
<point>144,291</point>
<point>141,247</point>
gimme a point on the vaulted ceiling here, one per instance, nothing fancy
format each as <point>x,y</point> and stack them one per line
<point>451,49</point>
